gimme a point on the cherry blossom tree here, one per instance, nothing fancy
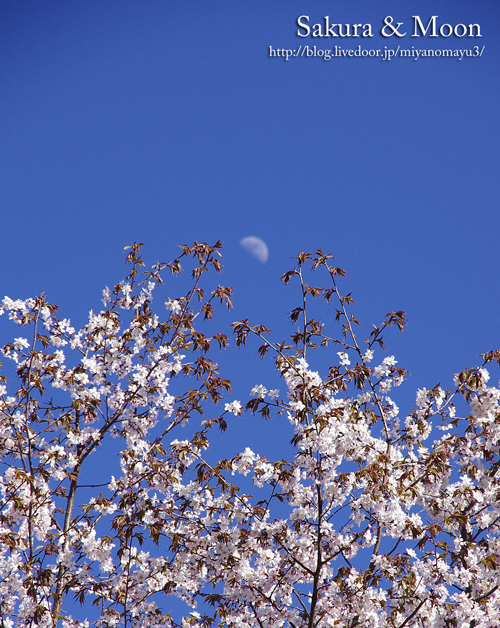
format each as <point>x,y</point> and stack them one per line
<point>377,518</point>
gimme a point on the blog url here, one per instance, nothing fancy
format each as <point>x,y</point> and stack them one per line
<point>384,54</point>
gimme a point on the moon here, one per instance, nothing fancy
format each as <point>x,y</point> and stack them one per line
<point>256,247</point>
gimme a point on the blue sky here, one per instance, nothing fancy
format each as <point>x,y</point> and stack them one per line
<point>167,121</point>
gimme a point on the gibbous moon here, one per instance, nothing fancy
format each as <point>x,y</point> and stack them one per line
<point>256,247</point>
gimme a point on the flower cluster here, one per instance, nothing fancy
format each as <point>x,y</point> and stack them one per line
<point>77,389</point>
<point>362,525</point>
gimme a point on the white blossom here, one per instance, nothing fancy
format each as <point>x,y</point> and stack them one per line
<point>344,358</point>
<point>173,305</point>
<point>353,519</point>
<point>368,355</point>
<point>258,391</point>
<point>234,407</point>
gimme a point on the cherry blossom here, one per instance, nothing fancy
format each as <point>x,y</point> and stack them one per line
<point>379,517</point>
